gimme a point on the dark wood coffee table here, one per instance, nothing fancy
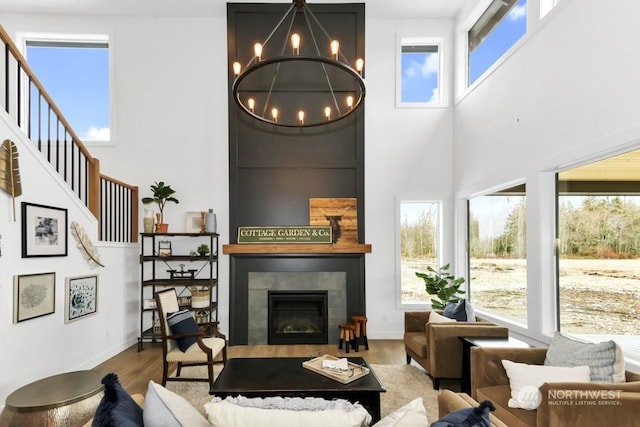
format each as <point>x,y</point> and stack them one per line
<point>286,377</point>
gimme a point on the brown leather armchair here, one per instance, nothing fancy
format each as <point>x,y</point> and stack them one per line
<point>437,346</point>
<point>489,381</point>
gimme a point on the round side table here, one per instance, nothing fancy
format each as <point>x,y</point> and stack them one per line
<point>68,399</point>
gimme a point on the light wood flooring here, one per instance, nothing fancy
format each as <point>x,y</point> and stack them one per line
<point>135,369</point>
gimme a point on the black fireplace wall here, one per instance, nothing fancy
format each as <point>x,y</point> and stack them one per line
<point>273,172</point>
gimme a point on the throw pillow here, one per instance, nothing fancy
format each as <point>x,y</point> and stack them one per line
<point>435,317</point>
<point>605,359</point>
<point>164,408</point>
<point>117,408</point>
<point>468,417</point>
<point>462,311</point>
<point>410,415</point>
<point>182,322</point>
<point>285,412</point>
<point>525,380</point>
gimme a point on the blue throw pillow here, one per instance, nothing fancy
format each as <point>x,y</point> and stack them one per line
<point>117,408</point>
<point>182,322</point>
<point>462,311</point>
<point>468,417</point>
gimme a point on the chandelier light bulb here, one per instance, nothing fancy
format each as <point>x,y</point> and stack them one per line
<point>237,67</point>
<point>335,48</point>
<point>327,113</point>
<point>301,117</point>
<point>251,103</point>
<point>350,101</point>
<point>295,43</point>
<point>274,114</point>
<point>359,65</point>
<point>257,50</point>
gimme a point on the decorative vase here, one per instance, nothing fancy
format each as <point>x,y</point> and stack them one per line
<point>148,221</point>
<point>210,222</point>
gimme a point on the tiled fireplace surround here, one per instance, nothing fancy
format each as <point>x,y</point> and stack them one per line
<point>252,277</point>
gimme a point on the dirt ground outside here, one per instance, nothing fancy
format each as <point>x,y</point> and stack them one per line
<point>596,296</point>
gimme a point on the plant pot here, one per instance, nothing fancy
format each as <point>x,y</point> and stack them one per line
<point>162,228</point>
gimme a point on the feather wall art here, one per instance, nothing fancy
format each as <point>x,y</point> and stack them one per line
<point>89,251</point>
<point>10,171</point>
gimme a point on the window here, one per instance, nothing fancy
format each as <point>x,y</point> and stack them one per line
<point>419,72</point>
<point>75,72</point>
<point>498,254</point>
<point>501,25</point>
<point>420,243</point>
<point>599,247</point>
<point>546,6</point>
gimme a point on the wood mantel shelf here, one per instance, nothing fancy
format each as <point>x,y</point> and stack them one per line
<point>296,248</point>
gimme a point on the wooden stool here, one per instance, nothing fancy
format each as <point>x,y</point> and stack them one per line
<point>360,323</point>
<point>347,335</point>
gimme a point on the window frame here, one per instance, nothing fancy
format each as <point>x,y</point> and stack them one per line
<point>438,42</point>
<point>439,251</point>
<point>24,38</point>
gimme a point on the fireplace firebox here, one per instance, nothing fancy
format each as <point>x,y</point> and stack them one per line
<point>297,317</point>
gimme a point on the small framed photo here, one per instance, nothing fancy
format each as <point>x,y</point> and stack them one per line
<point>44,231</point>
<point>164,248</point>
<point>81,297</point>
<point>34,295</point>
<point>195,222</point>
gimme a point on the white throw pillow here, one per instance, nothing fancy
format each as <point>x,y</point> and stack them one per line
<point>225,413</point>
<point>435,317</point>
<point>164,408</point>
<point>410,415</point>
<point>525,381</point>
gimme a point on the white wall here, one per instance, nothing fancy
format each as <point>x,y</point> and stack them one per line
<point>567,95</point>
<point>44,346</point>
<point>408,156</point>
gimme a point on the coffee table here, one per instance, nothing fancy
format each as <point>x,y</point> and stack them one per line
<point>286,377</point>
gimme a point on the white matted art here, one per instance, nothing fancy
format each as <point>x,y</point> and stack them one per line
<point>81,297</point>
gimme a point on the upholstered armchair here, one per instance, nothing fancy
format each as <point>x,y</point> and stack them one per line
<point>437,347</point>
<point>198,349</point>
<point>576,403</point>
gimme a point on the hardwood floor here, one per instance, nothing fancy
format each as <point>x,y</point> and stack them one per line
<point>135,369</point>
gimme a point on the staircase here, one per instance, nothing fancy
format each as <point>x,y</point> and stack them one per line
<point>24,98</point>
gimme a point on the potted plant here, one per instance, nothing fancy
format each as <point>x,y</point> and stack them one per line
<point>443,285</point>
<point>161,195</point>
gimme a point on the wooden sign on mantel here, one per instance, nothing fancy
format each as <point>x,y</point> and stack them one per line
<point>285,234</point>
<point>339,213</point>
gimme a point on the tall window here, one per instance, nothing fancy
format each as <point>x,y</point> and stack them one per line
<point>75,72</point>
<point>419,72</point>
<point>599,247</point>
<point>497,253</point>
<point>502,24</point>
<point>419,247</point>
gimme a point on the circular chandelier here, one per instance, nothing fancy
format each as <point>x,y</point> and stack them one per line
<point>298,86</point>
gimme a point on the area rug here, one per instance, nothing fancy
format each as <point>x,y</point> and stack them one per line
<point>402,382</point>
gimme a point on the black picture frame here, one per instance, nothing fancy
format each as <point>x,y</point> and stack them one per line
<point>44,230</point>
<point>34,295</point>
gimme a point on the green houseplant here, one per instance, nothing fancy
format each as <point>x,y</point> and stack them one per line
<point>161,195</point>
<point>443,285</point>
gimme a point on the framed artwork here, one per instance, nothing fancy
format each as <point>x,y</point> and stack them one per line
<point>34,295</point>
<point>81,297</point>
<point>339,213</point>
<point>44,231</point>
<point>194,222</point>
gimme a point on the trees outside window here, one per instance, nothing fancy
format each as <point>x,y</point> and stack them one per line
<point>420,243</point>
<point>498,253</point>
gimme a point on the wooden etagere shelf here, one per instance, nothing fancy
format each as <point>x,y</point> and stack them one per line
<point>296,248</point>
